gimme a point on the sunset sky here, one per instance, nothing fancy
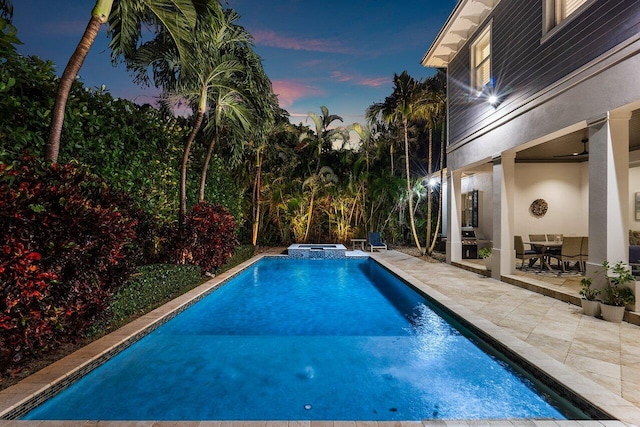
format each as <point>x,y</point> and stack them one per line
<point>341,54</point>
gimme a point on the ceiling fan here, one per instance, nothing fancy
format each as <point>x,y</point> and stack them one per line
<point>584,151</point>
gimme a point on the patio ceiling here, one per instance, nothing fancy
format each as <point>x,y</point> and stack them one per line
<point>461,24</point>
<point>564,146</point>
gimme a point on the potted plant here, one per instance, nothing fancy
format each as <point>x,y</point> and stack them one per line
<point>485,254</point>
<point>590,306</point>
<point>616,295</point>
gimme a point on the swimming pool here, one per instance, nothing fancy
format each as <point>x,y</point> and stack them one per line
<point>306,339</point>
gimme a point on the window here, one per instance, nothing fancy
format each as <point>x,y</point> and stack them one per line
<point>564,8</point>
<point>558,12</point>
<point>481,59</point>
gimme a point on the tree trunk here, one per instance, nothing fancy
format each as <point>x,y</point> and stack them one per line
<point>442,151</point>
<point>409,192</point>
<point>66,81</point>
<point>256,200</point>
<point>427,243</point>
<point>205,167</point>
<point>391,154</point>
<point>202,107</point>
<point>306,233</point>
<point>183,168</point>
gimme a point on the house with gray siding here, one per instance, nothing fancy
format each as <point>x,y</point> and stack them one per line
<point>543,124</point>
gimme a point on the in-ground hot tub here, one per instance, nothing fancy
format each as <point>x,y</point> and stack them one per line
<point>317,251</point>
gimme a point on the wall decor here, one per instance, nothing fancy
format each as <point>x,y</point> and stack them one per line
<point>538,208</point>
<point>637,206</point>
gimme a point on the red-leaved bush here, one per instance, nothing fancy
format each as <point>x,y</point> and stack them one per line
<point>207,239</point>
<point>66,244</point>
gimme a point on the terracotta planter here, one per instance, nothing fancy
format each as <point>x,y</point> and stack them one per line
<point>612,313</point>
<point>590,308</point>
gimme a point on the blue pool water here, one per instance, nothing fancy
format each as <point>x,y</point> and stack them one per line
<point>304,339</point>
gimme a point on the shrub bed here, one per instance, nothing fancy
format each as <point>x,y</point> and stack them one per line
<point>207,239</point>
<point>68,241</point>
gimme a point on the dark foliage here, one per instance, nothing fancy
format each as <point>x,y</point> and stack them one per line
<point>68,241</point>
<point>207,239</point>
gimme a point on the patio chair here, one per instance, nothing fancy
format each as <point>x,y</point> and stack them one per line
<point>524,254</point>
<point>375,241</point>
<point>554,238</point>
<point>584,253</point>
<point>570,251</point>
<point>538,238</point>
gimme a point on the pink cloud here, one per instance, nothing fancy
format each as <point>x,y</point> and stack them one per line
<point>359,80</point>
<point>272,39</point>
<point>339,76</point>
<point>289,92</point>
<point>313,63</point>
<point>377,82</point>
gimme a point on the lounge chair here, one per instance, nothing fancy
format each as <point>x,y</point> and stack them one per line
<point>375,241</point>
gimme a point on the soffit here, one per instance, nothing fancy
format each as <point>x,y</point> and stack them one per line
<point>561,149</point>
<point>462,23</point>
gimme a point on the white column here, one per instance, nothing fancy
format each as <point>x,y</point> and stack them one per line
<point>454,216</point>
<point>608,190</point>
<point>503,206</point>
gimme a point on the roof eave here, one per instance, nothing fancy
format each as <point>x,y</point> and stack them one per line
<point>461,24</point>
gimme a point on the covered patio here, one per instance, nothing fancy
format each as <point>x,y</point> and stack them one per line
<point>579,183</point>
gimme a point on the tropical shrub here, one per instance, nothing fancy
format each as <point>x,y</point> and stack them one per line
<point>149,287</point>
<point>207,238</point>
<point>28,321</point>
<point>68,245</point>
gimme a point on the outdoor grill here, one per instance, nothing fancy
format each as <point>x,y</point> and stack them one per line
<point>469,244</point>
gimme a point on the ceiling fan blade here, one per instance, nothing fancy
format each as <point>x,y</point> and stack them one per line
<point>584,151</point>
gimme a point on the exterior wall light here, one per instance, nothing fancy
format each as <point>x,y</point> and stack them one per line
<point>493,100</point>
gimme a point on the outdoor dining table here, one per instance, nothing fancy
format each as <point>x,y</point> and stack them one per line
<point>543,247</point>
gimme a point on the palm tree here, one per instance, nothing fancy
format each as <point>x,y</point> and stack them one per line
<point>316,182</point>
<point>324,137</point>
<point>230,112</point>
<point>209,66</point>
<point>403,105</point>
<point>252,114</point>
<point>127,19</point>
<point>266,119</point>
<point>429,112</point>
<point>437,92</point>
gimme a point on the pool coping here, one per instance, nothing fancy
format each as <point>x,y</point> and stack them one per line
<point>28,393</point>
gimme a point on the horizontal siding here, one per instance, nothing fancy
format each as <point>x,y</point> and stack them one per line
<point>523,66</point>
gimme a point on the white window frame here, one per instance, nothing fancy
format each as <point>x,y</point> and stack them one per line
<point>475,65</point>
<point>561,10</point>
<point>554,15</point>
